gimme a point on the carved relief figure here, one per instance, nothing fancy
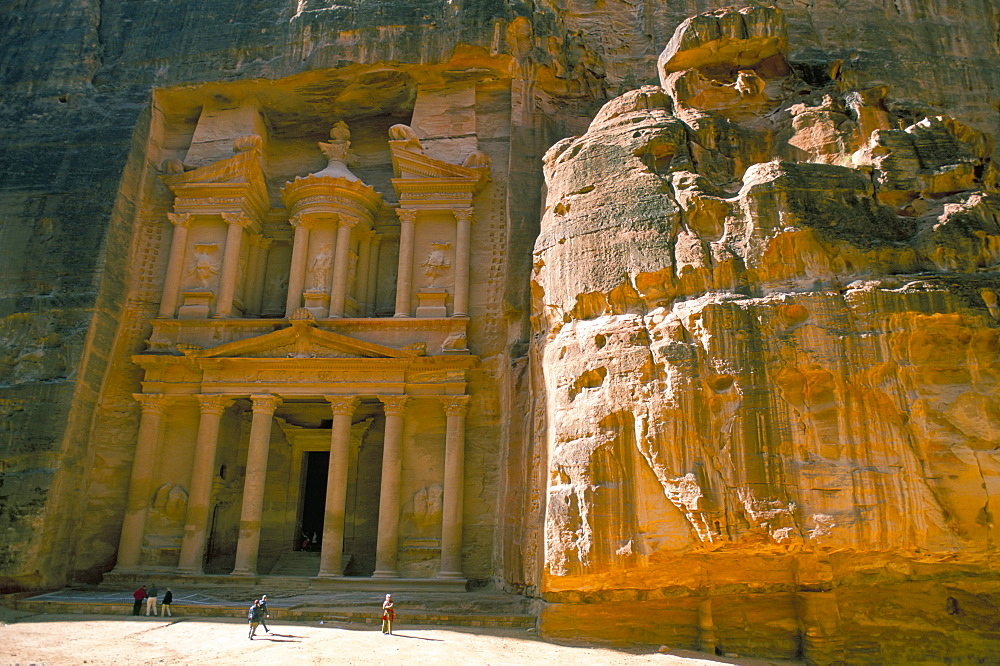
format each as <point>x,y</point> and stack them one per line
<point>437,263</point>
<point>319,269</point>
<point>205,265</point>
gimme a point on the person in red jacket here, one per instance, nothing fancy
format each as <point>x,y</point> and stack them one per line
<point>139,596</point>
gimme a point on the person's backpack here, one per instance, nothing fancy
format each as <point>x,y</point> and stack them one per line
<point>252,611</point>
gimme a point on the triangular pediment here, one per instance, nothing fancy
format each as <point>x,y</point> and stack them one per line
<point>243,167</point>
<point>302,341</point>
<point>407,163</point>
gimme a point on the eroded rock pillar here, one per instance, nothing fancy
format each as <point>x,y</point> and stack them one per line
<point>231,262</point>
<point>371,292</point>
<point>253,487</point>
<point>463,234</point>
<point>388,506</point>
<point>338,288</point>
<point>140,485</point>
<point>297,273</point>
<point>404,276</point>
<point>336,485</point>
<point>202,471</point>
<point>175,263</point>
<point>455,408</point>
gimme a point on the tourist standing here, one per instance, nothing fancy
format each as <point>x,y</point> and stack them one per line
<point>151,600</point>
<point>139,595</point>
<point>168,598</point>
<point>388,615</point>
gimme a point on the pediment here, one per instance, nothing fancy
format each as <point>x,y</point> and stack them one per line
<point>243,167</point>
<point>302,340</point>
<point>408,164</point>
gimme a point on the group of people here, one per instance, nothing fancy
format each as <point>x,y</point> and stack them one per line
<point>258,615</point>
<point>148,594</point>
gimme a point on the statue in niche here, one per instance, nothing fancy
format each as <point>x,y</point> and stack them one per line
<point>352,272</point>
<point>437,263</point>
<point>205,265</point>
<point>427,504</point>
<point>319,269</point>
<point>339,155</point>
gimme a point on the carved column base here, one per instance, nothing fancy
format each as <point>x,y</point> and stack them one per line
<point>452,575</point>
<point>243,572</point>
<point>317,302</point>
<point>191,572</point>
<point>197,305</point>
<point>385,574</point>
<point>329,574</point>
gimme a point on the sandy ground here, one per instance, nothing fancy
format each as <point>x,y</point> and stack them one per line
<point>111,639</point>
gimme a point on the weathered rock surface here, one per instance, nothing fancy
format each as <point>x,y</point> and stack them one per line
<point>766,330</point>
<point>860,243</point>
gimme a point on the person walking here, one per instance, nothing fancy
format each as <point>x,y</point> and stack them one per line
<point>264,613</point>
<point>254,617</point>
<point>139,596</point>
<point>151,600</point>
<point>388,615</point>
<point>168,598</point>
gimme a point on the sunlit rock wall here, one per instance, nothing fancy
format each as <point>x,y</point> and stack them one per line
<point>766,326</point>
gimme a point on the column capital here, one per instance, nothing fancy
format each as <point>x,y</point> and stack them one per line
<point>180,219</point>
<point>213,403</point>
<point>463,214</point>
<point>261,241</point>
<point>265,403</point>
<point>376,238</point>
<point>300,220</point>
<point>365,235</point>
<point>407,214</point>
<point>342,404</point>
<point>239,218</point>
<point>394,404</point>
<point>348,221</point>
<point>455,405</point>
<point>151,403</point>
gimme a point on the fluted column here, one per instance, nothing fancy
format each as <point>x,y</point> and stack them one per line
<point>364,256</point>
<point>404,276</point>
<point>455,408</point>
<point>253,487</point>
<point>175,263</point>
<point>371,293</point>
<point>202,471</point>
<point>140,485</point>
<point>231,262</point>
<point>387,544</point>
<point>256,298</point>
<point>336,485</point>
<point>338,287</point>
<point>297,273</point>
<point>463,234</point>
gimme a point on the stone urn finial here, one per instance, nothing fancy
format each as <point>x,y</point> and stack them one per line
<point>338,153</point>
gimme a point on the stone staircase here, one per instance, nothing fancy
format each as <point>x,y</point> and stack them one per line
<point>301,564</point>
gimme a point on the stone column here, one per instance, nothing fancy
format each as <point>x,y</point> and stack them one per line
<point>230,262</point>
<point>175,263</point>
<point>404,276</point>
<point>371,294</point>
<point>455,407</point>
<point>387,544</point>
<point>256,299</point>
<point>140,485</point>
<point>341,261</point>
<point>297,273</point>
<point>253,486</point>
<point>336,485</point>
<point>361,284</point>
<point>202,471</point>
<point>463,234</point>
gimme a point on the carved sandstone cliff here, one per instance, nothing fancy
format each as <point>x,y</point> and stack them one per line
<point>765,318</point>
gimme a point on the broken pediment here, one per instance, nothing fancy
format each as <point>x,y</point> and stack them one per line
<point>302,340</point>
<point>409,162</point>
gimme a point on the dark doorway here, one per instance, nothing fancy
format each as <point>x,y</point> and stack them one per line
<point>317,464</point>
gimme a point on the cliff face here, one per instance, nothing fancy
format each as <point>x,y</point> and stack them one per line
<point>766,320</point>
<point>764,302</point>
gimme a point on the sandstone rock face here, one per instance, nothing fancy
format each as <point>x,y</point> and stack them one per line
<point>766,329</point>
<point>795,221</point>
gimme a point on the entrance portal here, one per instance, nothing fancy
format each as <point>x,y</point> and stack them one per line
<point>316,464</point>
